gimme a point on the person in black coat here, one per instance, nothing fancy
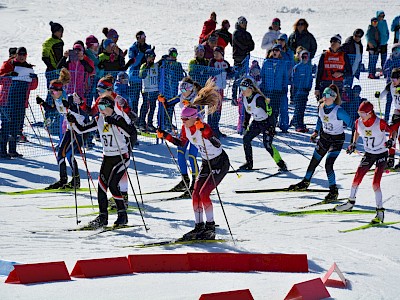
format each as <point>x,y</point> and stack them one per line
<point>243,44</point>
<point>302,37</point>
<point>354,50</point>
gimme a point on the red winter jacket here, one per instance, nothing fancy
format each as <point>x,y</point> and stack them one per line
<point>208,28</point>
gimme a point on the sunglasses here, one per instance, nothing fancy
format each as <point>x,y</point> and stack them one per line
<point>103,106</point>
<point>174,54</point>
<point>304,56</point>
<point>276,23</point>
<point>184,119</point>
<point>327,95</point>
<point>300,24</point>
<point>276,50</point>
<point>141,36</point>
<point>358,35</point>
<point>22,54</point>
<point>374,21</point>
<point>335,41</point>
<point>243,88</point>
<point>101,90</point>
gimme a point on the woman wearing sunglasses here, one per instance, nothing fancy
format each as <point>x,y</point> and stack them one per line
<point>114,131</point>
<point>188,92</point>
<point>64,104</point>
<point>257,106</point>
<point>372,130</point>
<point>302,37</point>
<point>331,117</point>
<point>215,162</point>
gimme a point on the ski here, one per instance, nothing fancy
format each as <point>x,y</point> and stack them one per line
<point>385,224</point>
<point>182,196</point>
<point>85,228</point>
<point>175,242</point>
<point>79,206</point>
<point>324,211</point>
<point>276,174</point>
<point>160,192</point>
<point>247,171</point>
<point>322,203</point>
<point>371,171</point>
<point>147,134</point>
<point>40,191</point>
<point>280,190</point>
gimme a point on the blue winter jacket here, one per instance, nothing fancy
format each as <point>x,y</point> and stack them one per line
<point>395,27</point>
<point>383,29</point>
<point>274,75</point>
<point>302,78</point>
<point>134,52</point>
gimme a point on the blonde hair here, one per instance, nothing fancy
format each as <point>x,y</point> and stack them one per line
<point>65,76</point>
<point>208,95</point>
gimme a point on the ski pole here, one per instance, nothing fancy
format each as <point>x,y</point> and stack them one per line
<point>34,119</point>
<point>137,178</point>
<point>34,132</point>
<point>179,169</point>
<point>74,172</point>
<point>129,178</point>
<point>234,170</point>
<point>216,188</point>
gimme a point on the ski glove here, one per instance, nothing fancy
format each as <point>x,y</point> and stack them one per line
<point>39,100</point>
<point>389,143</point>
<point>71,118</point>
<point>199,125</point>
<point>161,134</point>
<point>66,102</point>
<point>77,99</point>
<point>113,119</point>
<point>161,98</point>
<point>377,94</point>
<point>313,137</point>
<point>351,148</point>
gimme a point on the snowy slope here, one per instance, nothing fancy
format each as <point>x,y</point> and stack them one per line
<point>369,259</point>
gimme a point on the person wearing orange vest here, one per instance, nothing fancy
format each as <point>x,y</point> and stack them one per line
<point>334,65</point>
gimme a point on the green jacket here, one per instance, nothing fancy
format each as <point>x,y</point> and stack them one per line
<point>52,52</point>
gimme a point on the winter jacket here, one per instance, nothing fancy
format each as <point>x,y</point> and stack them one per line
<point>304,39</point>
<point>95,59</point>
<point>137,52</point>
<point>242,43</point>
<point>274,75</point>
<point>220,79</point>
<point>349,47</point>
<point>109,62</point>
<point>383,30</point>
<point>372,37</point>
<point>340,62</point>
<point>269,39</point>
<point>395,27</point>
<point>224,37</point>
<point>288,56</point>
<point>208,27</point>
<point>52,52</point>
<point>390,64</point>
<point>6,81</point>
<point>80,71</point>
<point>302,78</point>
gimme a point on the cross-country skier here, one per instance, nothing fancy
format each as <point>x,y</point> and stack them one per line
<point>64,104</point>
<point>257,106</point>
<point>115,129</point>
<point>188,92</point>
<point>372,131</point>
<point>331,117</point>
<point>394,88</point>
<point>215,162</point>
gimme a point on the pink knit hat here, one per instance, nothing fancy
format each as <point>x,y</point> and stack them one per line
<point>189,112</point>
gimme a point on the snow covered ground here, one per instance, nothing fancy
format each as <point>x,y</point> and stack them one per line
<point>369,259</point>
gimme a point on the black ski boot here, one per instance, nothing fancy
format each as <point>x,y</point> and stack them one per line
<point>397,167</point>
<point>282,166</point>
<point>122,219</point>
<point>390,162</point>
<point>57,185</point>
<point>74,183</point>
<point>333,194</point>
<point>209,232</point>
<point>380,216</point>
<point>100,221</point>
<point>247,166</point>
<point>193,234</point>
<point>181,186</point>
<point>301,186</point>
